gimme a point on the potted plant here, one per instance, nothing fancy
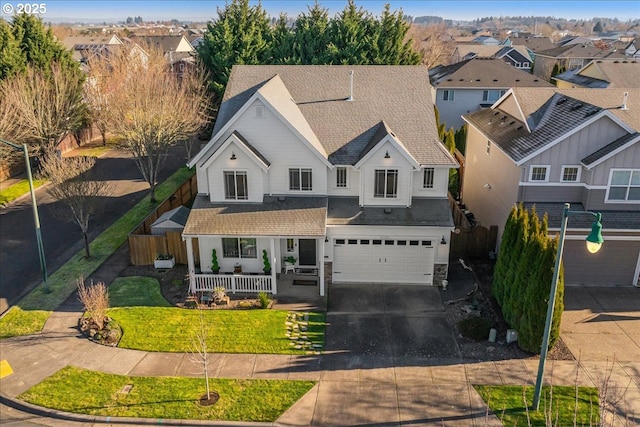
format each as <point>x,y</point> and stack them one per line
<point>290,259</point>
<point>237,268</point>
<point>214,262</point>
<point>164,261</point>
<point>267,264</point>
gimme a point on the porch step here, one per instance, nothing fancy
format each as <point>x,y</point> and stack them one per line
<point>307,271</point>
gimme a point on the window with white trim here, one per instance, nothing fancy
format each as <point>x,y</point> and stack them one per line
<point>539,173</point>
<point>570,173</point>
<point>235,185</point>
<point>427,180</point>
<point>386,183</point>
<point>447,95</point>
<point>492,95</point>
<point>300,179</point>
<point>341,177</point>
<point>624,185</point>
<point>290,245</point>
<point>241,247</point>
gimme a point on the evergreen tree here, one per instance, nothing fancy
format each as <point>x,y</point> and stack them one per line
<point>311,37</point>
<point>351,35</point>
<point>461,139</point>
<point>39,46</point>
<point>598,27</point>
<point>282,48</point>
<point>12,60</point>
<point>504,256</point>
<point>450,141</point>
<point>389,46</point>
<point>240,35</point>
<point>518,249</point>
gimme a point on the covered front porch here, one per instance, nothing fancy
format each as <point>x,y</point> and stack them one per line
<point>236,247</point>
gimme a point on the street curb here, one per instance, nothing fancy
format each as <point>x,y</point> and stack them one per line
<point>69,416</point>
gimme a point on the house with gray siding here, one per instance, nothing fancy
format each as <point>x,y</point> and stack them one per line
<point>473,84</point>
<point>339,168</point>
<point>546,147</point>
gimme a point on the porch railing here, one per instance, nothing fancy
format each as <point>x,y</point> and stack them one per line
<point>234,283</point>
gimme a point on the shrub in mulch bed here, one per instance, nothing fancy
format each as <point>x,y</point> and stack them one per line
<point>475,328</point>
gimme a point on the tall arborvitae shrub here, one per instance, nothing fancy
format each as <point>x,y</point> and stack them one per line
<point>518,249</point>
<point>504,256</point>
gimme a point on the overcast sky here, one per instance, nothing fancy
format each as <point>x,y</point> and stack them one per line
<point>202,10</point>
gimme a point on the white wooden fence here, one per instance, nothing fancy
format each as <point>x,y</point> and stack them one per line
<point>234,283</point>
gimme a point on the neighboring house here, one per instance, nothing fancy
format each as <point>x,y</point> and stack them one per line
<point>632,50</point>
<point>344,172</point>
<point>473,84</point>
<point>601,74</point>
<point>83,48</point>
<point>486,40</point>
<point>532,44</point>
<point>547,147</point>
<point>512,55</point>
<point>177,50</point>
<point>570,56</point>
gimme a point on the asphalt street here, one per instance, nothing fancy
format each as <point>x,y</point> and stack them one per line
<point>19,262</point>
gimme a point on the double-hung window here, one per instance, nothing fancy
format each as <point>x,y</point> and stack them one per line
<point>624,185</point>
<point>386,183</point>
<point>341,177</point>
<point>427,180</point>
<point>447,95</point>
<point>492,95</point>
<point>539,174</point>
<point>235,185</point>
<point>242,247</point>
<point>300,179</point>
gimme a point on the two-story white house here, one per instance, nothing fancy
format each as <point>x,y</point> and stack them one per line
<point>547,147</point>
<point>339,167</point>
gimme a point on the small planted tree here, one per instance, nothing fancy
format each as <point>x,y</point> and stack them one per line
<point>200,355</point>
<point>265,261</point>
<point>215,267</point>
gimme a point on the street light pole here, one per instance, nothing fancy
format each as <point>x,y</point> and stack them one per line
<point>594,241</point>
<point>36,217</point>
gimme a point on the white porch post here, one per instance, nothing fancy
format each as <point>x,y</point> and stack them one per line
<point>191,265</point>
<point>321,268</point>
<point>274,267</point>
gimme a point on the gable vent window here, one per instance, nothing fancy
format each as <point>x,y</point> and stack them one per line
<point>300,179</point>
<point>427,181</point>
<point>341,177</point>
<point>259,111</point>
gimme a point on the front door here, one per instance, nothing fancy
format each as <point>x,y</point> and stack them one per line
<point>307,252</point>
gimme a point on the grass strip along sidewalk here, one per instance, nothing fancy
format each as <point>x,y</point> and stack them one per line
<point>26,317</point>
<point>18,189</point>
<point>95,393</point>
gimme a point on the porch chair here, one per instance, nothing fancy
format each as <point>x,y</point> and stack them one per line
<point>289,267</point>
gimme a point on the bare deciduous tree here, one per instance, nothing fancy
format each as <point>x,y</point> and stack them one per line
<point>9,129</point>
<point>200,350</point>
<point>47,106</point>
<point>71,183</point>
<point>434,42</point>
<point>149,107</point>
<point>95,299</point>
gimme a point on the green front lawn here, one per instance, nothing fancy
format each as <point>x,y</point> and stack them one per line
<point>507,403</point>
<point>136,291</point>
<point>18,189</point>
<point>232,331</point>
<point>18,322</point>
<point>95,393</point>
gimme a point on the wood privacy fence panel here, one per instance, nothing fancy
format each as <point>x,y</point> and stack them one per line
<point>470,240</point>
<point>143,247</point>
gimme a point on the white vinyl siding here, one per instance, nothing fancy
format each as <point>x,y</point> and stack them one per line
<point>539,173</point>
<point>242,247</point>
<point>624,185</point>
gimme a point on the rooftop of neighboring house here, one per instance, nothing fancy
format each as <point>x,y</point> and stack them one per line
<point>487,51</point>
<point>602,74</point>
<point>164,43</point>
<point>550,113</point>
<point>315,100</point>
<point>580,51</point>
<point>82,42</point>
<point>533,43</point>
<point>483,73</point>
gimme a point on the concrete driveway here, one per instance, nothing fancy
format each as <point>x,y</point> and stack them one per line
<point>388,320</point>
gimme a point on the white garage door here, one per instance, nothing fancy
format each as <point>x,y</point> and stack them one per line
<point>383,260</point>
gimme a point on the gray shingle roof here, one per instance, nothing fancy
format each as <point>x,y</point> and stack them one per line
<point>609,148</point>
<point>625,74</point>
<point>399,95</point>
<point>611,220</point>
<point>423,212</point>
<point>293,216</point>
<point>251,148</point>
<point>485,73</point>
<point>578,51</point>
